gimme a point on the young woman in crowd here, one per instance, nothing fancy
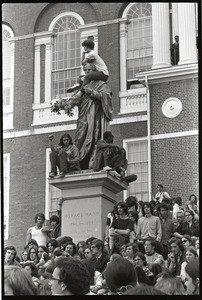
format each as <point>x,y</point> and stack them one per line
<point>33,254</point>
<point>190,255</point>
<point>197,245</point>
<point>192,277</point>
<point>51,245</point>
<point>88,252</point>
<point>24,257</point>
<point>192,204</point>
<point>187,241</point>
<point>81,248</point>
<point>176,256</point>
<point>140,261</point>
<point>131,250</point>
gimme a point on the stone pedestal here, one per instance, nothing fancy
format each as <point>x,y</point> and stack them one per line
<point>87,199</point>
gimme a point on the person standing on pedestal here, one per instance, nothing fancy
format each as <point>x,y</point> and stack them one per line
<point>66,156</point>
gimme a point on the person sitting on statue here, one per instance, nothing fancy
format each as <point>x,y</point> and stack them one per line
<point>65,156</point>
<point>110,157</point>
<point>101,73</point>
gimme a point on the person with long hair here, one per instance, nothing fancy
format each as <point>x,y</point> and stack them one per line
<point>33,254</point>
<point>190,255</point>
<point>65,156</point>
<point>18,282</point>
<point>192,204</point>
<point>192,277</point>
<point>81,248</point>
<point>176,256</point>
<point>51,245</point>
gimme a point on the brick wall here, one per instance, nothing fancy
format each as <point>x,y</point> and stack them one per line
<point>187,92</point>
<point>175,165</point>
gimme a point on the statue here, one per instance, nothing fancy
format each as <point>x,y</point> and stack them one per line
<point>94,114</point>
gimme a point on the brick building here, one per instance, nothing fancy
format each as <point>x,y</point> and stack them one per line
<point>155,103</point>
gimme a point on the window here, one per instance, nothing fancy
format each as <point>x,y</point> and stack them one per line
<point>137,155</point>
<point>53,194</point>
<point>66,57</point>
<point>6,176</point>
<point>139,39</point>
<point>8,76</point>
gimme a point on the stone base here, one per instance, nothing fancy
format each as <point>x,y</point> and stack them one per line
<point>87,199</point>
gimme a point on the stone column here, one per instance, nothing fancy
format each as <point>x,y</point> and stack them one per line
<point>123,42</point>
<point>175,22</point>
<point>37,78</point>
<point>187,33</point>
<point>48,68</point>
<point>161,35</point>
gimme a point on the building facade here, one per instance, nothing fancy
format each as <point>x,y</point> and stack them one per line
<point>155,102</point>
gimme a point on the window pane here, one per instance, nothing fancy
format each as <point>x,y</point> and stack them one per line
<point>66,61</point>
<point>139,43</point>
<point>137,154</point>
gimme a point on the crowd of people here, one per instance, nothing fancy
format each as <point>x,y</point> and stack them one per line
<point>148,248</point>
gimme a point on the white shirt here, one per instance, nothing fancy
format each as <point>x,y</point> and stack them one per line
<point>162,195</point>
<point>99,62</point>
<point>39,236</point>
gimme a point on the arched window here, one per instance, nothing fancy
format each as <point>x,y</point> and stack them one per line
<point>66,57</point>
<point>8,47</point>
<point>139,39</point>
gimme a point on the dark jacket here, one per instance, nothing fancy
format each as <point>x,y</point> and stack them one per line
<point>100,263</point>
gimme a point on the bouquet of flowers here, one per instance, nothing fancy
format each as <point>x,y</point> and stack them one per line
<point>65,104</point>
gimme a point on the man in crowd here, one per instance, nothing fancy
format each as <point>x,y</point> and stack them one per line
<point>121,228</point>
<point>9,256</point>
<point>38,232</point>
<point>160,195</point>
<point>148,226</point>
<point>70,277</point>
<point>152,257</point>
<point>167,226</point>
<point>99,259</point>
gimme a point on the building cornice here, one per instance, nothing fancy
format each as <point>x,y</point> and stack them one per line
<point>169,74</point>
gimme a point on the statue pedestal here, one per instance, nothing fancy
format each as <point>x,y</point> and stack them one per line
<point>88,197</point>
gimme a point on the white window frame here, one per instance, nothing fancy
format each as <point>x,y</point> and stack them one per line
<point>6,160</point>
<point>8,109</point>
<point>41,111</point>
<point>123,48</point>
<point>125,146</point>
